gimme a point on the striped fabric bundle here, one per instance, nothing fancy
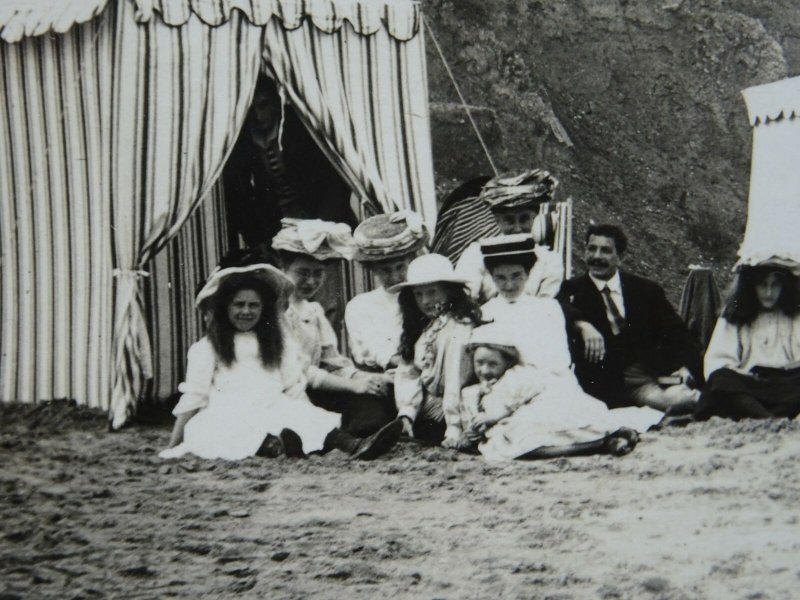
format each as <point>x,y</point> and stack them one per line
<point>526,189</point>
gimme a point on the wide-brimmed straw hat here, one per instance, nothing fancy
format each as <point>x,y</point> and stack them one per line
<point>429,268</point>
<point>526,190</point>
<point>322,240</point>
<point>275,278</point>
<point>389,236</point>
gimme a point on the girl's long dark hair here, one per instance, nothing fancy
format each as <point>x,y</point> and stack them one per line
<point>743,306</point>
<point>267,328</point>
<point>459,304</point>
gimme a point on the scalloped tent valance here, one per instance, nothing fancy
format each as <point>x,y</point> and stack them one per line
<point>773,101</point>
<point>400,18</point>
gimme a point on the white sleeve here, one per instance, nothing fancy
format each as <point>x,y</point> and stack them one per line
<point>331,360</point>
<point>547,274</point>
<point>470,267</point>
<point>358,334</point>
<point>201,363</point>
<point>457,371</point>
<point>724,350</point>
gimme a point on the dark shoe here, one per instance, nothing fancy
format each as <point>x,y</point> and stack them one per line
<point>379,442</point>
<point>271,447</point>
<point>292,444</point>
<point>621,442</point>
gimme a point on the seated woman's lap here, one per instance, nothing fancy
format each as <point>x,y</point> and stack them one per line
<point>362,414</point>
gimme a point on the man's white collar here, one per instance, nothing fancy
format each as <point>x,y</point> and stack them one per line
<point>614,284</point>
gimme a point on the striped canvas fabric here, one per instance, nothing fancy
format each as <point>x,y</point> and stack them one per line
<point>175,273</point>
<point>112,131</point>
<point>365,99</point>
<point>109,136</point>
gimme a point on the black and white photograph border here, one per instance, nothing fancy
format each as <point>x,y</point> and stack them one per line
<point>145,142</point>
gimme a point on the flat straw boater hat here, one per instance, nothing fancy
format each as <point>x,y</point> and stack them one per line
<point>389,236</point>
<point>429,268</point>
<point>508,245</point>
<point>526,190</point>
<point>275,278</point>
<point>322,240</point>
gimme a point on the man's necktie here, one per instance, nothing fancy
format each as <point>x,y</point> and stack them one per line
<point>617,320</point>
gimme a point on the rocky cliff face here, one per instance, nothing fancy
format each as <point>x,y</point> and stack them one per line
<point>635,104</point>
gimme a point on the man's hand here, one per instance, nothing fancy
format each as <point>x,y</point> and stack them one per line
<point>594,346</point>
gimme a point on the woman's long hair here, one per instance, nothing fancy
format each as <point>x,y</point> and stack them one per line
<point>742,306</point>
<point>267,328</point>
<point>459,304</point>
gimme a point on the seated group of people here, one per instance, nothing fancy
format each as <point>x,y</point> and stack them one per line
<point>497,355</point>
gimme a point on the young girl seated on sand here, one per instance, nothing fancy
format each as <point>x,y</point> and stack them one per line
<point>245,380</point>
<point>518,411</point>
<point>438,316</point>
<point>752,364</point>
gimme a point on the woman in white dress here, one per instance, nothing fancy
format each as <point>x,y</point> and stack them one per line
<point>245,380</point>
<point>556,411</point>
<point>305,247</point>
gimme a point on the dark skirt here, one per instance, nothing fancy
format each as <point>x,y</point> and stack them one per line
<point>362,414</point>
<point>769,393</point>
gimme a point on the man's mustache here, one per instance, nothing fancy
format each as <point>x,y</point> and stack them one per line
<point>596,262</point>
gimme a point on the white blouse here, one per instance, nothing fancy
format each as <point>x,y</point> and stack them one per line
<point>771,340</point>
<point>537,326</point>
<point>205,372</point>
<point>374,327</point>
<point>307,324</point>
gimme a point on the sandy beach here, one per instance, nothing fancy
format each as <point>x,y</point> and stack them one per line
<point>708,511</point>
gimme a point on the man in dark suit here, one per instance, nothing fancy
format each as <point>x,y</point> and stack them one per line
<point>629,345</point>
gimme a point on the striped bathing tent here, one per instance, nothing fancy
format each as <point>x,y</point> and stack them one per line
<point>116,118</point>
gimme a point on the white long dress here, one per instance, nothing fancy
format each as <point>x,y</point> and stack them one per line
<point>547,406</point>
<point>242,403</point>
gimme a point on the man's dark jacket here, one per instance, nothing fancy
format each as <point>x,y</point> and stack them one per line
<point>654,335</point>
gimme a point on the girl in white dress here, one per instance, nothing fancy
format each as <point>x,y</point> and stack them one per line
<point>752,364</point>
<point>246,380</point>
<point>520,411</point>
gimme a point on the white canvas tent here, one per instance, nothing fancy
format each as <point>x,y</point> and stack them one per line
<point>116,117</point>
<point>773,212</point>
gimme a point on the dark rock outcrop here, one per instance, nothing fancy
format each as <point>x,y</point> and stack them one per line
<point>635,104</point>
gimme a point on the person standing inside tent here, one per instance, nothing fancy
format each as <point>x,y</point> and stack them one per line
<point>514,202</point>
<point>385,244</point>
<point>753,359</point>
<point>245,380</point>
<point>438,316</point>
<point>304,247</point>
